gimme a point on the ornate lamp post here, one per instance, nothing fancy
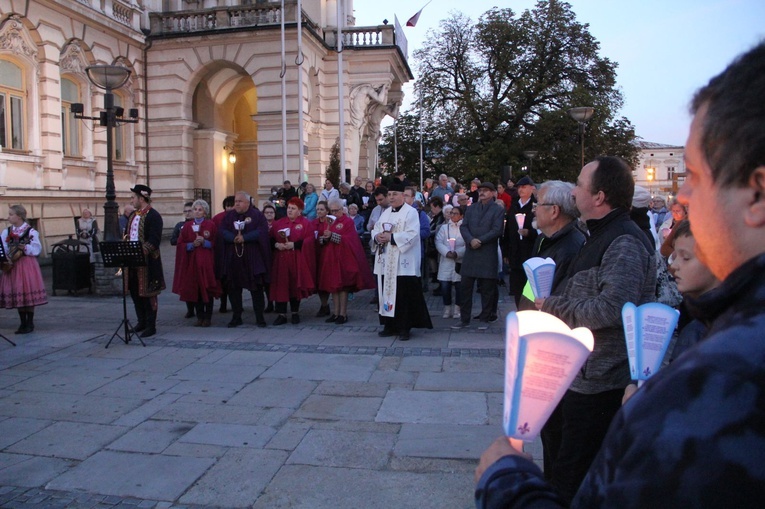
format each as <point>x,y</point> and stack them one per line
<point>530,154</point>
<point>581,114</point>
<point>109,78</point>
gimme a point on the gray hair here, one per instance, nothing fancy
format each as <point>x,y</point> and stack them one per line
<point>335,203</point>
<point>204,205</point>
<point>20,211</point>
<point>558,193</point>
<point>246,195</point>
<point>344,185</point>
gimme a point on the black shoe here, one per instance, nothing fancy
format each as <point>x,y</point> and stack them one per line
<point>295,318</point>
<point>460,325</point>
<point>223,309</point>
<point>23,330</point>
<point>341,320</point>
<point>262,324</point>
<point>403,335</point>
<point>189,314</point>
<point>140,326</point>
<point>386,333</point>
<point>280,320</point>
<point>235,322</point>
<point>149,332</point>
<point>331,319</point>
<point>477,317</point>
<point>323,311</point>
<point>493,318</point>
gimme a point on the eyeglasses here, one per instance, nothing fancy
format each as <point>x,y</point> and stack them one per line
<point>335,210</point>
<point>187,211</point>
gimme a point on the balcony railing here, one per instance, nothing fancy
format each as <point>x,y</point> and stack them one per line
<point>182,22</point>
<point>364,37</point>
<point>125,12</point>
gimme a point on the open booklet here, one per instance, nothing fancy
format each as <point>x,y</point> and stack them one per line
<point>540,273</point>
<point>542,357</point>
<point>648,330</point>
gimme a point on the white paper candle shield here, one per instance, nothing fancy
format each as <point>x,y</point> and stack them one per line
<point>452,244</point>
<point>331,218</point>
<point>284,232</point>
<point>542,358</point>
<point>540,273</point>
<point>195,228</point>
<point>520,219</point>
<point>387,227</point>
<point>648,330</point>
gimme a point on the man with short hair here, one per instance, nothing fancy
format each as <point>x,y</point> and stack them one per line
<point>691,435</point>
<point>381,198</point>
<point>246,256</point>
<point>481,229</point>
<point>145,283</point>
<point>126,211</point>
<point>329,192</point>
<point>442,189</point>
<point>286,193</point>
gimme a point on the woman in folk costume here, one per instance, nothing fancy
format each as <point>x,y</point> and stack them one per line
<point>21,282</point>
<point>195,259</point>
<point>397,266</point>
<point>145,283</point>
<point>294,261</point>
<point>344,266</point>
<point>320,224</point>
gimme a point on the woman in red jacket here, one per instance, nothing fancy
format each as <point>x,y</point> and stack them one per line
<point>195,259</point>
<point>294,261</point>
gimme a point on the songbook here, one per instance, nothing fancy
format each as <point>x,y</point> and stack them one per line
<point>542,357</point>
<point>648,330</point>
<point>540,273</point>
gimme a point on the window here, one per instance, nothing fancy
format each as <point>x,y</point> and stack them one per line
<point>11,106</point>
<point>670,173</point>
<point>70,126</point>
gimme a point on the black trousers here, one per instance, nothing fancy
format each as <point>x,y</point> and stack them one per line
<point>281,307</point>
<point>573,436</point>
<point>487,287</point>
<point>144,310</point>
<point>258,301</point>
<point>516,282</point>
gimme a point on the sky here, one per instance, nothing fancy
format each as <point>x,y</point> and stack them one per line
<point>665,49</point>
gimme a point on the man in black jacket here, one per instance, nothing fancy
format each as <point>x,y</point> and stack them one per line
<point>518,241</point>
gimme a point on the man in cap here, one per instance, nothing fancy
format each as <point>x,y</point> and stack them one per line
<point>396,238</point>
<point>481,229</point>
<point>518,241</point>
<point>145,283</point>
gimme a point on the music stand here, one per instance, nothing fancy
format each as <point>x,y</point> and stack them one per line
<point>3,256</point>
<point>123,254</point>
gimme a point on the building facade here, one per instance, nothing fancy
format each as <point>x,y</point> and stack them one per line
<point>209,78</point>
<point>660,168</point>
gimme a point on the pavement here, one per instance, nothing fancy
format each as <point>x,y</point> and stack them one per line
<point>299,416</point>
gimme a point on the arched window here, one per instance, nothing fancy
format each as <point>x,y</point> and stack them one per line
<point>11,106</point>
<point>70,126</point>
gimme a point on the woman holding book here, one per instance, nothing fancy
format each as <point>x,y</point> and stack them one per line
<point>21,282</point>
<point>195,259</point>
<point>294,261</point>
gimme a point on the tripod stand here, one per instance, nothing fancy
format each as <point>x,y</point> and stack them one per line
<point>4,258</point>
<point>123,254</point>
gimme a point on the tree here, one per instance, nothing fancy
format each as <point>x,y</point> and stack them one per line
<point>333,168</point>
<point>494,89</point>
<point>406,142</point>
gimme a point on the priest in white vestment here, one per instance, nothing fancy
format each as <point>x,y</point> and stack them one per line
<point>397,267</point>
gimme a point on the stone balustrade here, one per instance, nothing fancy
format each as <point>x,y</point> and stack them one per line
<point>125,12</point>
<point>181,22</point>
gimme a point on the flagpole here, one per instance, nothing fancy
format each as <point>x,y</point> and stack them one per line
<point>395,146</point>
<point>420,149</point>
<point>283,76</point>
<point>340,91</point>
<point>299,63</point>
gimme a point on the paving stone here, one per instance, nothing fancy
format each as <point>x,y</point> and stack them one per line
<point>30,471</point>
<point>406,378</point>
<point>147,410</point>
<point>237,479</point>
<point>445,440</point>
<point>344,449</point>
<point>339,408</point>
<point>473,382</point>
<point>14,429</point>
<point>361,389</point>
<point>309,487</point>
<point>67,407</point>
<point>68,440</point>
<point>231,373</point>
<point>445,407</point>
<point>288,436</point>
<point>251,358</point>
<point>421,364</point>
<point>220,413</point>
<point>151,436</point>
<point>474,365</point>
<point>229,435</point>
<point>125,474</point>
<point>329,367</point>
<point>274,392</point>
<point>142,384</point>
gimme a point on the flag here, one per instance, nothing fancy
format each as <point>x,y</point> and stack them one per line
<point>411,22</point>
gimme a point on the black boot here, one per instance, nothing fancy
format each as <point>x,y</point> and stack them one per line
<point>30,321</point>
<point>236,321</point>
<point>140,314</point>
<point>151,324</point>
<point>23,325</point>
<point>190,310</point>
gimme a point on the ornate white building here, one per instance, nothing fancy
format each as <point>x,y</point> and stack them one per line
<point>661,168</point>
<point>209,78</point>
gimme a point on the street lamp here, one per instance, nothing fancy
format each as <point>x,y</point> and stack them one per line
<point>650,174</point>
<point>530,154</point>
<point>109,78</point>
<point>581,114</point>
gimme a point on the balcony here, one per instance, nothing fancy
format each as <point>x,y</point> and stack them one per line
<point>125,12</point>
